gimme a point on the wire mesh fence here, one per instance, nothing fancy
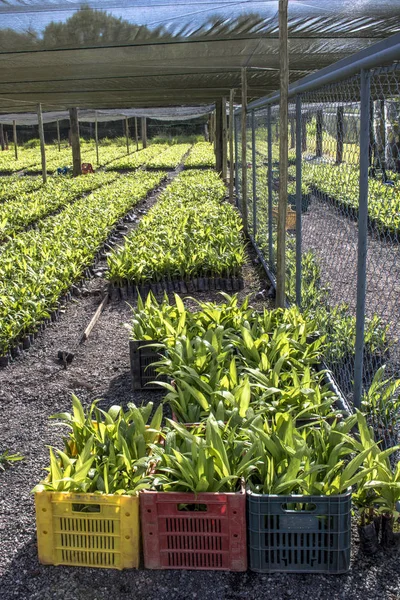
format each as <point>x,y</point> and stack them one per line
<point>342,225</point>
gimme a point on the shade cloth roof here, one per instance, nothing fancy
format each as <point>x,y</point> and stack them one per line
<point>131,53</point>
<point>178,113</point>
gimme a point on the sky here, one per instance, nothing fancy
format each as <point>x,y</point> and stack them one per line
<point>22,15</point>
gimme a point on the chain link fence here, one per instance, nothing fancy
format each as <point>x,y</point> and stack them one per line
<point>342,222</point>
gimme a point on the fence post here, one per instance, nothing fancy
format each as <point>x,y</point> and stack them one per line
<point>231,134</point>
<point>136,135</point>
<point>299,200</point>
<point>339,134</point>
<point>253,159</point>
<point>236,162</point>
<point>224,140</point>
<point>143,131</point>
<point>15,139</point>
<point>96,136</point>
<point>219,141</point>
<point>42,143</point>
<point>58,136</point>
<point>2,142</point>
<point>362,235</point>
<point>318,136</point>
<point>75,142</point>
<point>304,134</point>
<point>283,154</point>
<point>269,141</point>
<point>127,134</point>
<point>292,132</point>
<point>244,149</point>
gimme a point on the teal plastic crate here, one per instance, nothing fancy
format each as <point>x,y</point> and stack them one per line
<point>299,534</point>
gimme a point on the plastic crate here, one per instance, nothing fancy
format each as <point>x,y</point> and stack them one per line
<point>88,530</point>
<point>188,531</point>
<point>142,357</point>
<point>299,534</point>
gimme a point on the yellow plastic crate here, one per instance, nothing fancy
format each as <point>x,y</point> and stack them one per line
<point>88,530</point>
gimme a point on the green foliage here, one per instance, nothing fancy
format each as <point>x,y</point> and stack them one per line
<point>7,459</point>
<point>105,451</point>
<point>33,143</point>
<point>189,233</point>
<point>38,266</point>
<point>231,361</point>
<point>201,155</point>
<point>317,459</point>
<point>211,458</point>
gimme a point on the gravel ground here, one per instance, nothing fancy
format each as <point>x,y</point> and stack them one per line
<point>333,237</point>
<point>36,386</point>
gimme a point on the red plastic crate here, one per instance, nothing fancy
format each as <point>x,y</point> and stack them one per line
<point>188,531</point>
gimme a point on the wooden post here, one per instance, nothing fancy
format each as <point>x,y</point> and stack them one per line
<point>244,149</point>
<point>96,136</point>
<point>127,134</point>
<point>76,146</point>
<point>213,131</point>
<point>144,132</point>
<point>318,135</point>
<point>283,154</point>
<point>231,134</point>
<point>292,133</point>
<point>339,134</point>
<point>136,135</point>
<point>218,135</point>
<point>224,141</point>
<point>15,139</point>
<point>2,143</point>
<point>58,136</point>
<point>42,146</point>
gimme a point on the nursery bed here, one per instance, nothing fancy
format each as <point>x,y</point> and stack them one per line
<point>36,386</point>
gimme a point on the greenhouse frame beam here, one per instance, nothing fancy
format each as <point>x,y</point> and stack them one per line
<point>385,51</point>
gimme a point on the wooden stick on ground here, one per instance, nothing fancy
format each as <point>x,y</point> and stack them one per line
<point>94,320</point>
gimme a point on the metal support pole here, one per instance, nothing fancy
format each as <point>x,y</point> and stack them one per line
<point>292,133</point>
<point>253,161</point>
<point>75,142</point>
<point>299,201</point>
<point>42,146</point>
<point>236,163</point>
<point>283,154</point>
<point>304,134</point>
<point>127,134</point>
<point>58,136</point>
<point>318,135</point>
<point>339,134</point>
<point>270,240</point>
<point>362,235</point>
<point>244,149</point>
<point>96,137</point>
<point>231,156</point>
<point>224,141</point>
<point>15,139</point>
<point>136,135</point>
